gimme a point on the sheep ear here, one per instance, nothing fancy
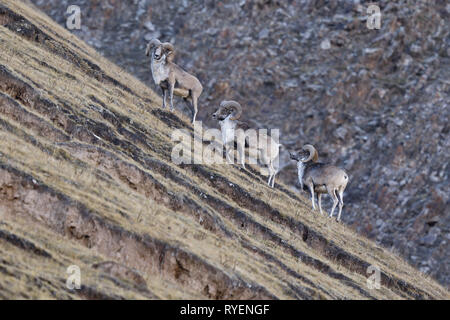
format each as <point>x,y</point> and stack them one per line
<point>147,50</point>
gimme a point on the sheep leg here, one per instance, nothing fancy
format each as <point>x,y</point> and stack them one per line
<point>335,201</point>
<point>164,91</point>
<point>271,172</point>
<point>274,172</point>
<point>227,156</point>
<point>319,200</point>
<point>194,105</point>
<point>188,103</point>
<point>311,189</point>
<point>341,203</point>
<point>171,88</point>
<point>241,155</point>
<point>228,150</point>
<point>270,177</point>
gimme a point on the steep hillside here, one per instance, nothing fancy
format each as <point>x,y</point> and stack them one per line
<point>86,179</point>
<point>373,101</point>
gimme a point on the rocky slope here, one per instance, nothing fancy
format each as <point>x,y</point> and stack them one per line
<point>373,101</point>
<point>86,179</point>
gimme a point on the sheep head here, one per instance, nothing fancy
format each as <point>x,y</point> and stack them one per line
<point>230,109</point>
<point>308,153</point>
<point>160,50</point>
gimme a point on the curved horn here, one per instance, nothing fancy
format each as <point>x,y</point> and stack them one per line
<point>170,49</point>
<point>313,154</point>
<point>233,104</point>
<point>153,43</point>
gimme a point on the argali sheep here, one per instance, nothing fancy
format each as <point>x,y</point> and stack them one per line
<point>228,115</point>
<point>167,74</point>
<point>320,178</point>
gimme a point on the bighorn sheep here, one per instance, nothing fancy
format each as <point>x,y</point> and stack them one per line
<point>166,74</point>
<point>228,116</point>
<point>320,178</point>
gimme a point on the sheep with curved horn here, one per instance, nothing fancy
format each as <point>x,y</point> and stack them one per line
<point>228,115</point>
<point>166,74</point>
<point>320,178</point>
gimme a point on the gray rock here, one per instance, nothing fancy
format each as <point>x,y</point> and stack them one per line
<point>428,239</point>
<point>263,34</point>
<point>379,223</point>
<point>149,25</point>
<point>325,44</point>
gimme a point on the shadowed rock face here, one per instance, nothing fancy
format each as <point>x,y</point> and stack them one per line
<point>373,101</point>
<point>86,179</point>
